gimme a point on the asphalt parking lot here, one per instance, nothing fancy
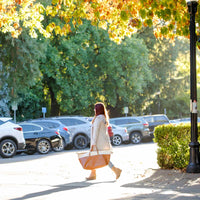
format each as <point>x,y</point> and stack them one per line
<point>60,176</point>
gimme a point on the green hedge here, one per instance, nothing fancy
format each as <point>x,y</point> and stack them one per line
<point>173,145</point>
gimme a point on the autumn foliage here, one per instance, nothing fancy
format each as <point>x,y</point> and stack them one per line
<point>18,14</point>
<point>120,17</point>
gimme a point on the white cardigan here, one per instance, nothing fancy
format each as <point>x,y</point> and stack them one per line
<point>99,134</point>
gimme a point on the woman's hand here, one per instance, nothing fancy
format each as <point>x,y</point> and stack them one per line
<point>93,148</point>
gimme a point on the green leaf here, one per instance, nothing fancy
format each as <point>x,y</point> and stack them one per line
<point>149,22</point>
<point>164,30</point>
<point>124,15</point>
<point>143,13</point>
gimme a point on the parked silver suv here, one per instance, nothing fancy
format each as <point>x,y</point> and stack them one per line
<point>155,120</point>
<point>80,129</point>
<point>11,138</point>
<point>136,127</point>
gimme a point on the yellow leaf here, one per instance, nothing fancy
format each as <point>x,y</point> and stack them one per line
<point>57,30</point>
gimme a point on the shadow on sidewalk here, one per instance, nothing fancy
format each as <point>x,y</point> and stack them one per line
<point>60,188</point>
<point>167,184</point>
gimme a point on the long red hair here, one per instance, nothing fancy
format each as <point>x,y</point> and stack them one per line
<point>101,110</point>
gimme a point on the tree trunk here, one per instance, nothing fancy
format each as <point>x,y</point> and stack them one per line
<point>55,107</point>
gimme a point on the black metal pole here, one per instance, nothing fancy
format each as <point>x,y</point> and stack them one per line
<point>194,163</point>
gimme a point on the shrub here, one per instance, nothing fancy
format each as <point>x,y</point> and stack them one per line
<point>173,145</point>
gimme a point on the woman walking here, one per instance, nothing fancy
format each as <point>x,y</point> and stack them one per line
<point>100,139</point>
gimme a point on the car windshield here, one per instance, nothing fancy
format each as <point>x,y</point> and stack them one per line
<point>5,120</point>
<point>124,121</point>
<point>71,121</point>
<point>48,124</point>
<point>148,119</point>
<point>160,119</point>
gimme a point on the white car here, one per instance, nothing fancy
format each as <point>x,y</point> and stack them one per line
<point>11,138</point>
<point>120,135</point>
<point>79,127</point>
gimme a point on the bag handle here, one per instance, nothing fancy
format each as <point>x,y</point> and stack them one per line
<point>92,151</point>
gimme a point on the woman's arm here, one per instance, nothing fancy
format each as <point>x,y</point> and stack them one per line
<point>96,130</point>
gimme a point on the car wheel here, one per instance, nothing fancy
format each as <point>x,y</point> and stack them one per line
<point>43,146</point>
<point>116,140</point>
<point>135,137</point>
<point>60,147</point>
<point>8,148</point>
<point>80,142</point>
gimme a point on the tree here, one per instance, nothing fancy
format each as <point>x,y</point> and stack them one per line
<point>65,71</point>
<point>86,66</point>
<point>131,76</point>
<point>170,69</point>
<point>176,96</point>
<point>30,106</point>
<point>121,18</point>
<point>4,109</point>
<point>75,58</point>
<point>162,56</point>
<point>20,67</point>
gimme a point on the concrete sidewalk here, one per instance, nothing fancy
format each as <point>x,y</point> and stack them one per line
<point>59,176</point>
<point>153,184</point>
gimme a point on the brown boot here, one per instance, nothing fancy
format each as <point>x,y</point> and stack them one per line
<point>117,172</point>
<point>92,175</point>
